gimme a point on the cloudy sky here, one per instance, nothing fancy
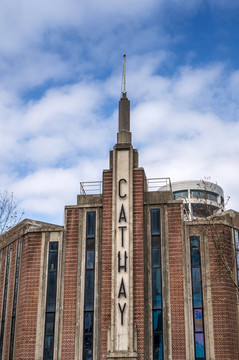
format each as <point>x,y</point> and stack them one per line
<point>60,81</point>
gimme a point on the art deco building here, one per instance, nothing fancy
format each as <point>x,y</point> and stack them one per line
<point>125,278</point>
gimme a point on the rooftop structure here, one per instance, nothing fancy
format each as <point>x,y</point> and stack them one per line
<point>201,198</point>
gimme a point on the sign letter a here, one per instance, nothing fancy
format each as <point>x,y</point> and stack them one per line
<point>122,214</point>
<point>122,289</point>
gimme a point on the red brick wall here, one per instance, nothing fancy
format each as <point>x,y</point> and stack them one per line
<point>8,318</point>
<point>176,282</point>
<point>70,284</point>
<point>224,302</point>
<point>28,296</point>
<point>138,229</point>
<point>106,262</point>
<point>2,279</point>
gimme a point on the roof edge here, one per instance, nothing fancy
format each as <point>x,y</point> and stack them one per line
<point>28,226</point>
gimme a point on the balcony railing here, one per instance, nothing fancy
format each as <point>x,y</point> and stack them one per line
<point>91,187</point>
<point>153,184</point>
<point>159,184</point>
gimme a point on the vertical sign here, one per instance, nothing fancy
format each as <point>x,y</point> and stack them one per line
<point>122,255</point>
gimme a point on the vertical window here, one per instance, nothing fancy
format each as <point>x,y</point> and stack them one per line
<point>14,306</point>
<point>4,301</point>
<point>51,301</point>
<point>89,286</point>
<point>197,299</point>
<point>156,285</point>
<point>236,233</point>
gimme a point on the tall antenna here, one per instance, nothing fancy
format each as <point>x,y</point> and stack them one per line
<point>123,85</point>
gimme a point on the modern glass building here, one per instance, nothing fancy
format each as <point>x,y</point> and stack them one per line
<point>201,198</point>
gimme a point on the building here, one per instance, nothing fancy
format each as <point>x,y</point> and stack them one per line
<point>125,278</point>
<point>201,198</point>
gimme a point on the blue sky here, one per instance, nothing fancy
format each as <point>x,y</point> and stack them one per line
<point>60,81</point>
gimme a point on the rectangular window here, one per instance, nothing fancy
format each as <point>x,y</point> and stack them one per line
<point>51,301</point>
<point>4,301</point>
<point>197,298</point>
<point>156,285</point>
<point>236,234</point>
<point>89,286</point>
<point>14,306</point>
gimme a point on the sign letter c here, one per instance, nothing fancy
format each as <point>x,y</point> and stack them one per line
<point>120,195</point>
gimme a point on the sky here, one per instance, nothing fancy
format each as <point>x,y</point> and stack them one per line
<point>60,82</point>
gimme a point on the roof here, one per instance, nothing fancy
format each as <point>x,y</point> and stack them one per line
<point>27,226</point>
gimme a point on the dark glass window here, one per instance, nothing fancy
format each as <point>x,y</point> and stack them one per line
<point>90,259</point>
<point>202,209</point>
<point>156,285</point>
<point>12,336</point>
<point>158,346</point>
<point>89,289</point>
<point>89,286</point>
<point>157,303</point>
<point>197,287</point>
<point>88,347</point>
<point>197,299</point>
<point>236,235</point>
<point>88,322</point>
<point>156,257</point>
<point>90,224</point>
<point>198,194</point>
<point>177,195</point>
<point>202,194</point>
<point>51,301</point>
<point>211,196</point>
<point>155,222</point>
<point>4,301</point>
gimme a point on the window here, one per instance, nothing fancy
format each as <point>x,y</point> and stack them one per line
<point>236,234</point>
<point>14,306</point>
<point>89,286</point>
<point>4,301</point>
<point>211,196</point>
<point>177,195</point>
<point>156,285</point>
<point>51,301</point>
<point>197,298</point>
<point>201,194</point>
<point>202,210</point>
<point>198,194</point>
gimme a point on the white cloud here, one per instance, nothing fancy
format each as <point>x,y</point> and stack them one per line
<point>64,139</point>
<point>60,84</point>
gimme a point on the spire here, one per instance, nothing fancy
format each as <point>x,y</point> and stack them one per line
<point>124,109</point>
<point>123,86</point>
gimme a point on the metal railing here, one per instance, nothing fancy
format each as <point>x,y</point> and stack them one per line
<point>90,187</point>
<point>159,184</point>
<point>153,184</point>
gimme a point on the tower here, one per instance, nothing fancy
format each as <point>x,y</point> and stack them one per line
<point>122,333</point>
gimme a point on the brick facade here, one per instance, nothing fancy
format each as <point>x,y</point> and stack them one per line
<point>176,282</point>
<point>224,299</point>
<point>70,284</point>
<point>138,219</point>
<point>11,281</point>
<point>106,270</point>
<point>28,296</point>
